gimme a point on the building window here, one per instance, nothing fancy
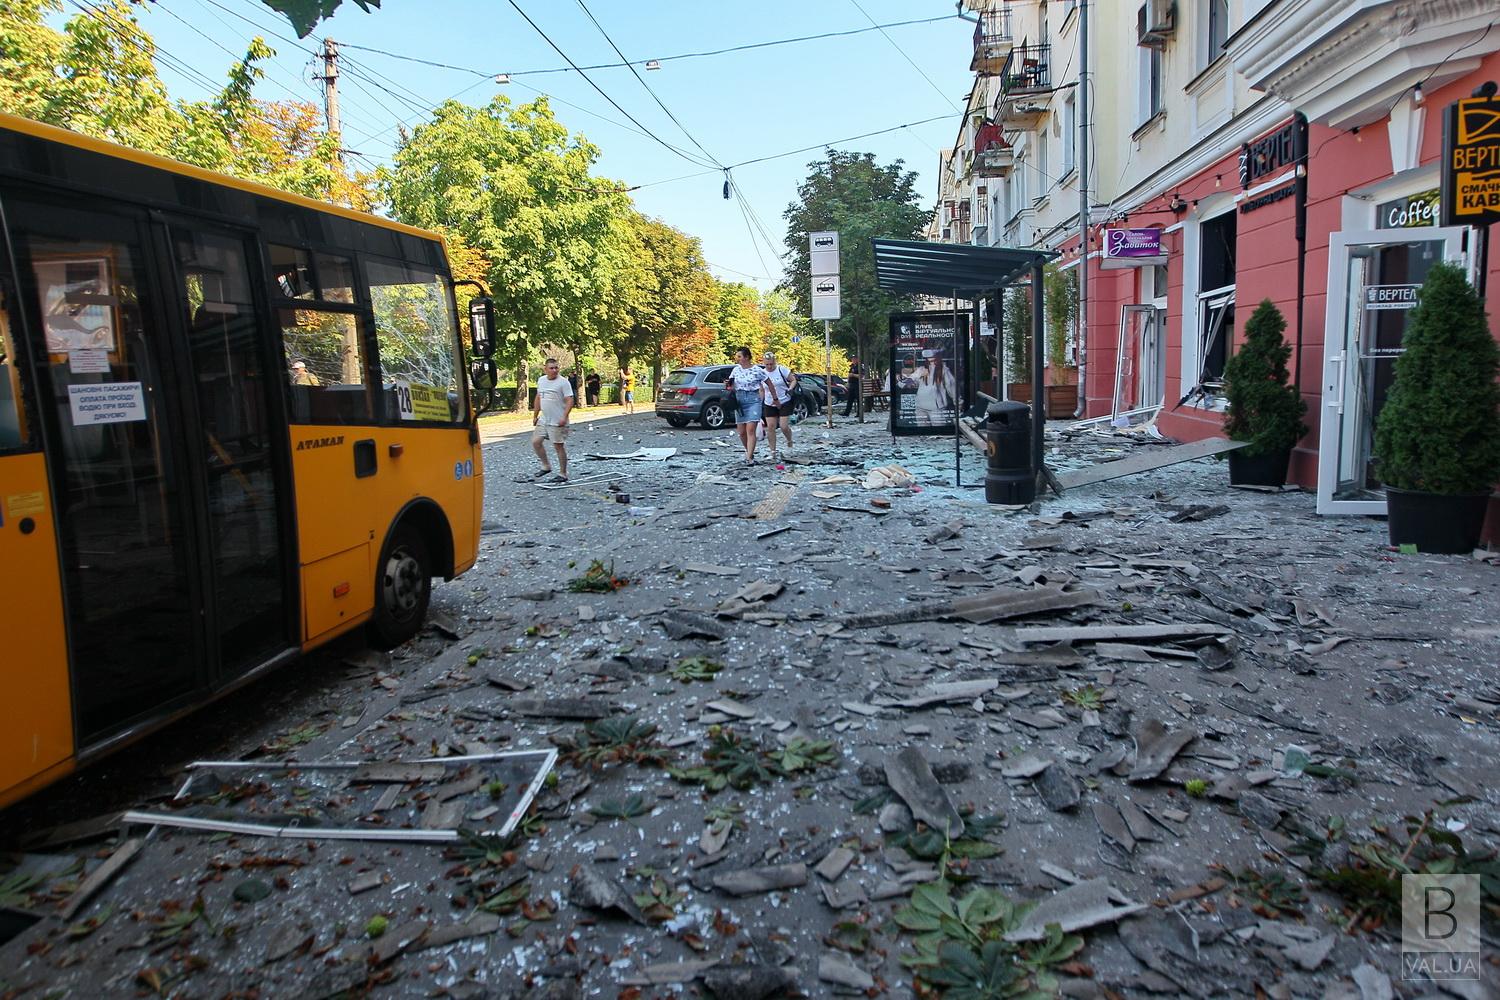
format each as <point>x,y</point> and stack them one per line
<point>1150,82</point>
<point>1043,175</point>
<point>1216,284</point>
<point>1070,135</point>
<point>1216,27</point>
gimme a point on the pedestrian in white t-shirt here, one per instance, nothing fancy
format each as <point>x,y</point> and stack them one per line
<point>776,396</point>
<point>549,419</point>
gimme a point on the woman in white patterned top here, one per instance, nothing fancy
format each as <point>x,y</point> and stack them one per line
<point>745,381</point>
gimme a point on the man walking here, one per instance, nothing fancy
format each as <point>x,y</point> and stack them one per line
<point>549,418</point>
<point>855,386</point>
<point>627,386</point>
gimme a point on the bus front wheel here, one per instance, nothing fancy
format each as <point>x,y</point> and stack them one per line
<point>402,588</point>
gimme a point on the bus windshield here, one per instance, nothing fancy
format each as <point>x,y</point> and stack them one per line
<point>421,355</point>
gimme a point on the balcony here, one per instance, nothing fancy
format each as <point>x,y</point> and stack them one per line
<point>1027,70</point>
<point>993,42</point>
<point>997,161</point>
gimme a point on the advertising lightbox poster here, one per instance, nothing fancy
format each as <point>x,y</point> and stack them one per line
<point>925,379</point>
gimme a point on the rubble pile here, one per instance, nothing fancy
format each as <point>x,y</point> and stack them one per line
<point>835,728</point>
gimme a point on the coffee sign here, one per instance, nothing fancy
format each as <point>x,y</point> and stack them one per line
<point>1411,212</point>
<point>1471,162</point>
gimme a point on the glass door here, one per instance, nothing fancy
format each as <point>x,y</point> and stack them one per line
<point>230,441</point>
<point>1372,282</point>
<point>106,393</point>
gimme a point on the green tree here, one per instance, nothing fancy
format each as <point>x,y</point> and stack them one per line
<point>1017,334</point>
<point>860,199</point>
<point>739,321</point>
<point>98,76</point>
<point>1439,430</point>
<point>1263,408</point>
<point>305,14</point>
<point>515,185</point>
<point>674,296</point>
<point>1061,289</point>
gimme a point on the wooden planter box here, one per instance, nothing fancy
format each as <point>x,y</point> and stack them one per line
<point>1062,400</point>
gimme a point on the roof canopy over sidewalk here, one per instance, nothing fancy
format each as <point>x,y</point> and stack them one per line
<point>913,267</point>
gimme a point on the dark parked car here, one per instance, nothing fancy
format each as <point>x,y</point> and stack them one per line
<point>815,380</point>
<point>697,393</point>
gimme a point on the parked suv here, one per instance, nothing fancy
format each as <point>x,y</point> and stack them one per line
<point>697,393</point>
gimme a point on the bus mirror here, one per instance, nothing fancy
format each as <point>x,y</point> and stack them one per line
<point>482,326</point>
<point>484,374</point>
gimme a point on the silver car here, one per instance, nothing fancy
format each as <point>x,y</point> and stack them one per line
<point>697,393</point>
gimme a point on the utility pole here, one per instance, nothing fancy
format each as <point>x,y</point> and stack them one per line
<point>1083,200</point>
<point>330,80</point>
<point>828,368</point>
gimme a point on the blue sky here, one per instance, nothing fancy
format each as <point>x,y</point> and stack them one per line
<point>740,106</point>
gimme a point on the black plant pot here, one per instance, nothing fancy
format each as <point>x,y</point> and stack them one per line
<point>1259,470</point>
<point>1435,522</point>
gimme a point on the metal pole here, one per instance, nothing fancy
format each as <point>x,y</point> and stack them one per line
<point>859,363</point>
<point>958,457</point>
<point>828,370</point>
<point>1083,204</point>
<point>1038,335</point>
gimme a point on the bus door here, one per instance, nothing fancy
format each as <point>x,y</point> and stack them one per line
<point>36,718</point>
<point>105,384</point>
<point>233,405</point>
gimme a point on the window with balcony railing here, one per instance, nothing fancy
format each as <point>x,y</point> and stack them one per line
<point>1027,69</point>
<point>994,27</point>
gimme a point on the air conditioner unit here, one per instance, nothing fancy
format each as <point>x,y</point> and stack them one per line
<point>1155,23</point>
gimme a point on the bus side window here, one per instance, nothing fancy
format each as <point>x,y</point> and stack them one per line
<point>13,430</point>
<point>325,367</point>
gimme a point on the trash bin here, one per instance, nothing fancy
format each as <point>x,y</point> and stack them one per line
<point>1009,478</point>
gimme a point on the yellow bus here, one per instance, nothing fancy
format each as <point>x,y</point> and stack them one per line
<point>234,424</point>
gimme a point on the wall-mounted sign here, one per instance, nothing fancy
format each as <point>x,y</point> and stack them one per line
<point>1391,296</point>
<point>1132,248</point>
<point>1411,212</point>
<point>1471,162</point>
<point>1270,154</point>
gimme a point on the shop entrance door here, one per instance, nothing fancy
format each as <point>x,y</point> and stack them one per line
<point>1372,282</point>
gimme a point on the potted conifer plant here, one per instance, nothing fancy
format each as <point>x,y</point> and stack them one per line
<point>1263,409</point>
<point>1437,439</point>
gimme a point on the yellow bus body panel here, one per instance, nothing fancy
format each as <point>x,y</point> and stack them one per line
<point>36,714</point>
<point>343,521</point>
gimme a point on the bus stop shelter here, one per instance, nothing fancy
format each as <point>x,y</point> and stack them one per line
<point>955,271</point>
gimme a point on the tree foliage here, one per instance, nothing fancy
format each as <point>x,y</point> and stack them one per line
<point>1017,334</point>
<point>1061,288</point>
<point>97,76</point>
<point>1439,430</point>
<point>515,185</point>
<point>860,199</point>
<point>306,14</point>
<point>1263,408</point>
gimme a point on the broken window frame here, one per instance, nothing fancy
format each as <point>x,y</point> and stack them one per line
<point>1213,306</point>
<point>372,833</point>
<point>1155,318</point>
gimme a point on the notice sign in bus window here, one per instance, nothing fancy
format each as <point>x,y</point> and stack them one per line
<point>416,401</point>
<point>106,403</point>
<point>1471,163</point>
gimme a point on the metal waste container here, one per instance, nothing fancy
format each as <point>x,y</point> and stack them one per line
<point>1009,479</point>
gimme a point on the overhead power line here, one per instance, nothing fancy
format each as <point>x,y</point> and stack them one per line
<point>661,59</point>
<point>590,80</point>
<point>908,58</point>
